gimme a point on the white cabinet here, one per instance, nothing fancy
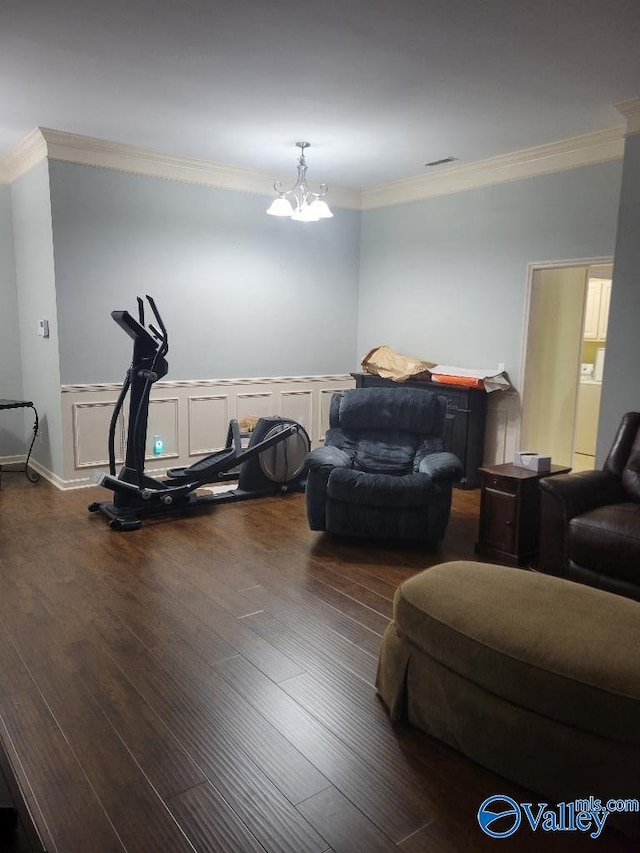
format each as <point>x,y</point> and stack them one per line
<point>596,316</point>
<point>603,314</point>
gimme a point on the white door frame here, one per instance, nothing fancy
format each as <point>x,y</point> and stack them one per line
<point>532,268</point>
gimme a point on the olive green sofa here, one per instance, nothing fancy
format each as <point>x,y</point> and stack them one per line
<point>534,677</point>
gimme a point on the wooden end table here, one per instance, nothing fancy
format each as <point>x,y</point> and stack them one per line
<point>510,512</point>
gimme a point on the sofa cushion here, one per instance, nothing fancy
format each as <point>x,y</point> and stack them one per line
<point>607,540</point>
<point>365,489</point>
<point>560,649</point>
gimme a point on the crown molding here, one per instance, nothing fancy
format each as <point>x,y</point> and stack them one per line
<point>631,111</point>
<point>52,144</point>
<point>600,147</point>
<point>27,154</point>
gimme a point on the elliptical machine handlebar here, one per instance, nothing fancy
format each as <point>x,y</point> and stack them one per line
<point>163,335</point>
<point>149,351</point>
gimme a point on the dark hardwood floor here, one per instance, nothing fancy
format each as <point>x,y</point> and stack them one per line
<point>207,683</point>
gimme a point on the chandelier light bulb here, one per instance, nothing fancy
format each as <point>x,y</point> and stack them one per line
<point>305,214</point>
<point>320,209</point>
<point>280,207</point>
<point>300,203</point>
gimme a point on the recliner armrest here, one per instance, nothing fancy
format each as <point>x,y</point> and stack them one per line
<point>563,497</point>
<point>328,457</point>
<point>582,491</point>
<point>441,466</point>
<point>320,464</point>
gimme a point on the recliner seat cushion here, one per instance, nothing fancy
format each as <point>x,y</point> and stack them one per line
<point>607,540</point>
<point>552,646</point>
<point>384,490</point>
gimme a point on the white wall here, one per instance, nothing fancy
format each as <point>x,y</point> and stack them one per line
<point>243,294</point>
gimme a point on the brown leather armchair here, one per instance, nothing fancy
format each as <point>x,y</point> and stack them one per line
<point>590,520</point>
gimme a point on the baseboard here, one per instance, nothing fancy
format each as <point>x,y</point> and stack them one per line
<point>13,460</point>
<point>52,478</point>
<point>48,475</point>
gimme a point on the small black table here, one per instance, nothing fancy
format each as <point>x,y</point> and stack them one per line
<point>23,404</point>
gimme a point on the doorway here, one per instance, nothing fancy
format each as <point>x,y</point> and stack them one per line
<point>564,355</point>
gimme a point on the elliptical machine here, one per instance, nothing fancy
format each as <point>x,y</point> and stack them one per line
<point>271,463</point>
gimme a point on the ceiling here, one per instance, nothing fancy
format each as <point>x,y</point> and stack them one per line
<point>378,87</point>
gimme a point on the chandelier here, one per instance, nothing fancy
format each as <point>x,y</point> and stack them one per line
<point>300,203</point>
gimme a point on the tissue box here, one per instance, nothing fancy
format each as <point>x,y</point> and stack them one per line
<point>532,461</point>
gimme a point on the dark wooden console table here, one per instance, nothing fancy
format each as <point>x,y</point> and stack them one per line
<point>464,428</point>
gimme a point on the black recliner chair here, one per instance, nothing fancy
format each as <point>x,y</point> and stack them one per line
<point>383,470</point>
<point>590,520</point>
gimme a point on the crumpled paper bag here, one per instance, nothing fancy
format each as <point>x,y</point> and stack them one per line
<point>389,364</point>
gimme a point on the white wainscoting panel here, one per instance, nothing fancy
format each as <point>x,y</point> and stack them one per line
<point>91,433</point>
<point>208,423</point>
<point>191,417</point>
<point>255,404</point>
<point>164,423</point>
<point>502,428</point>
<point>298,405</point>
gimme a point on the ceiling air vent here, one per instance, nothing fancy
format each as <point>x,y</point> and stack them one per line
<point>441,162</point>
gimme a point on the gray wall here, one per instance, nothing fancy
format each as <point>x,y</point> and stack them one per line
<point>12,439</point>
<point>37,300</point>
<point>445,278</point>
<point>621,386</point>
<point>242,294</point>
